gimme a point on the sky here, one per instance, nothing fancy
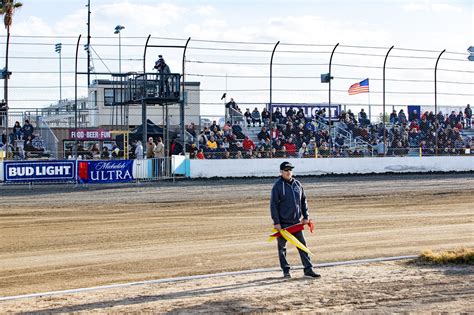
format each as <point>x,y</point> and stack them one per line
<point>231,44</point>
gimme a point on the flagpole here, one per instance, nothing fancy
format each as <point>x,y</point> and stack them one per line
<point>370,107</point>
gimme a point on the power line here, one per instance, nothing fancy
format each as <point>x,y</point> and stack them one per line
<point>237,42</point>
<point>311,77</point>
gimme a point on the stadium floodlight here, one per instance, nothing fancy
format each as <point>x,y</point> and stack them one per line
<point>58,49</point>
<point>471,51</point>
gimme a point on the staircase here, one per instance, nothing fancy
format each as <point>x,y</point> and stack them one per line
<point>468,133</point>
<point>252,132</point>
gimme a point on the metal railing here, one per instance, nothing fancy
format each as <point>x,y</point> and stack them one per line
<point>51,142</point>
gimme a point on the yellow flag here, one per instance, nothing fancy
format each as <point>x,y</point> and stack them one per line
<point>293,240</point>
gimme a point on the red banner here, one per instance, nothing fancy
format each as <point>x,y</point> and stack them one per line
<point>90,134</point>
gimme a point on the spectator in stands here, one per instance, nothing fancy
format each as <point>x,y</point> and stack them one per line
<point>324,150</point>
<point>277,116</point>
<point>256,117</point>
<point>225,143</point>
<point>431,117</point>
<point>277,148</point>
<point>414,116</point>
<point>425,148</point>
<point>200,155</point>
<point>274,133</point>
<point>263,135</point>
<point>290,113</point>
<point>265,117</point>
<point>192,151</point>
<point>215,127</point>
<point>460,120</point>
<point>237,131</point>
<point>238,155</point>
<point>393,117</point>
<point>191,129</point>
<point>424,125</point>
<point>211,144</point>
<point>27,130</point>
<point>17,131</point>
<point>351,116</point>
<point>248,117</point>
<point>248,144</point>
<point>226,155</point>
<point>105,154</point>
<point>150,148</point>
<point>290,147</point>
<point>227,128</point>
<point>303,151</point>
<point>413,137</point>
<point>380,148</point>
<point>312,146</point>
<point>440,117</point>
<point>363,121</point>
<point>95,152</point>
<point>452,119</point>
<point>399,149</point>
<point>402,118</point>
<point>468,115</point>
<point>414,124</point>
<point>339,141</point>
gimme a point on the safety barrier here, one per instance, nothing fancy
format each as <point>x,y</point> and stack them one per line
<point>87,171</point>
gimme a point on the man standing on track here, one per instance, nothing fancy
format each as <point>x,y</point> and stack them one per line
<point>288,205</point>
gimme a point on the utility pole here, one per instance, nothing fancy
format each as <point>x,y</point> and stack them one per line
<point>88,43</point>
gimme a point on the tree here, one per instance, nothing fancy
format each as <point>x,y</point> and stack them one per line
<point>7,9</point>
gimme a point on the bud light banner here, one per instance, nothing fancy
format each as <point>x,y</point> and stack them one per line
<point>309,109</point>
<point>115,171</point>
<point>40,171</point>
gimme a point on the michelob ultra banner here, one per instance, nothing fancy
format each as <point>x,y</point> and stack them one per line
<point>39,171</point>
<point>115,171</point>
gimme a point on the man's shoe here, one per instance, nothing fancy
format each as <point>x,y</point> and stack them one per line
<point>312,274</point>
<point>287,275</point>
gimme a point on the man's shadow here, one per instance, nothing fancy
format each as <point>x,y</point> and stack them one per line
<point>270,281</point>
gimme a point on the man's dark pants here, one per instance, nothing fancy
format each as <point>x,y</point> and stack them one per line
<point>305,259</point>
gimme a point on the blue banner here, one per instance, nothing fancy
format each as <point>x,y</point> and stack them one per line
<point>309,109</point>
<point>41,171</point>
<point>115,171</point>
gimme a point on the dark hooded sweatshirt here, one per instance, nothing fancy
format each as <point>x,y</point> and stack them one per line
<point>288,202</point>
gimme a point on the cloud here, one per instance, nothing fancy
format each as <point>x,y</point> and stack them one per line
<point>206,10</point>
<point>431,7</point>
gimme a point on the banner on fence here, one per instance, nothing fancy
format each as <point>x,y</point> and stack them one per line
<point>90,134</point>
<point>116,171</point>
<point>309,109</point>
<point>42,171</point>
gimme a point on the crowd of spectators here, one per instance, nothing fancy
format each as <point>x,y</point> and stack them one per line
<point>293,135</point>
<point>429,133</point>
<point>23,142</point>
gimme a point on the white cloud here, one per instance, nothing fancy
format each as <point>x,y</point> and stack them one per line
<point>428,6</point>
<point>206,10</point>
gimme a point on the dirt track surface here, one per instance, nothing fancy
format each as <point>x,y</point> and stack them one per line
<point>59,237</point>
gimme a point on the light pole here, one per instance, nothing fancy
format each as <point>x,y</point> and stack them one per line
<point>58,50</point>
<point>118,29</point>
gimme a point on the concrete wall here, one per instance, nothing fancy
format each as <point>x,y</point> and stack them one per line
<point>270,167</point>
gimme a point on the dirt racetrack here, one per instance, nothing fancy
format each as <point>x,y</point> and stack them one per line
<point>60,237</point>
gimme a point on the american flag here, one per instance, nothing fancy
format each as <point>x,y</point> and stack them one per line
<point>360,87</point>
